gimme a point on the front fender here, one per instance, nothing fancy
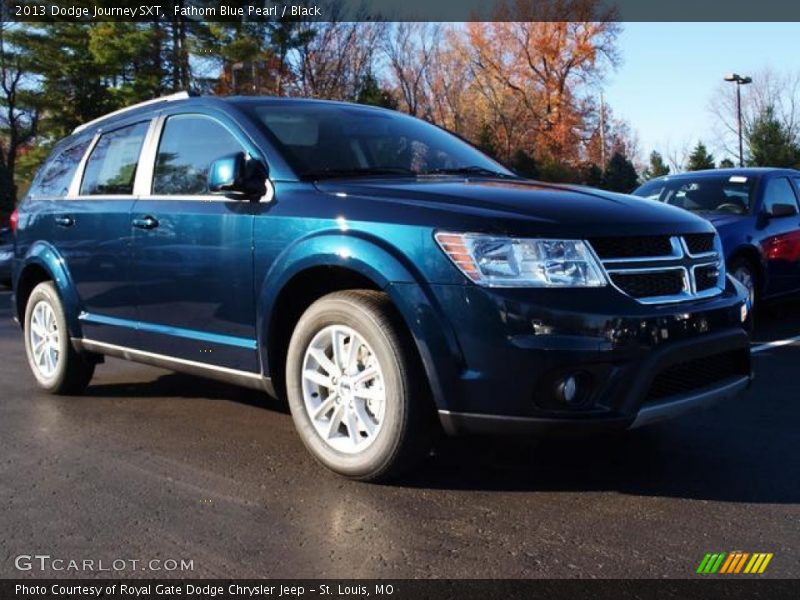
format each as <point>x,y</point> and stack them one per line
<point>45,256</point>
<point>390,271</point>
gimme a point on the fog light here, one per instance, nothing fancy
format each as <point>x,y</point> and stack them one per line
<point>745,311</point>
<point>570,390</point>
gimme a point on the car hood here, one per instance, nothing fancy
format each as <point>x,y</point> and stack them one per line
<point>724,220</point>
<point>498,200</point>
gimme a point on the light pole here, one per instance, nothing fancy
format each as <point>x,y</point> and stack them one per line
<point>739,81</point>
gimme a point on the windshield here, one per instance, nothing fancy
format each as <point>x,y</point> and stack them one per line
<point>330,140</point>
<point>725,194</point>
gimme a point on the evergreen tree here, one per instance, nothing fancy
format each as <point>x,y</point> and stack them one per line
<point>592,175</point>
<point>656,168</point>
<point>620,174</point>
<point>771,143</point>
<point>726,163</point>
<point>372,93</point>
<point>524,164</point>
<point>700,159</point>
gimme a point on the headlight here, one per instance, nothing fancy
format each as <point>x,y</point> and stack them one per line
<point>514,262</point>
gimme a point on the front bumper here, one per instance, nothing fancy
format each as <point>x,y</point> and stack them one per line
<point>642,363</point>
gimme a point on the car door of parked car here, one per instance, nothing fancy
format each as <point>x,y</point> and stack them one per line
<point>93,232</point>
<point>193,251</point>
<point>780,237</point>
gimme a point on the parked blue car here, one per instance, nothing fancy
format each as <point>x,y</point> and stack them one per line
<point>757,214</point>
<point>385,276</point>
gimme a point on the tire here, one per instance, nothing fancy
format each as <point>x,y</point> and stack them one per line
<point>383,421</point>
<point>746,273</point>
<point>58,369</point>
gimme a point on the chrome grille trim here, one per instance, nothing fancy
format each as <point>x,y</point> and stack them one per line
<point>679,259</point>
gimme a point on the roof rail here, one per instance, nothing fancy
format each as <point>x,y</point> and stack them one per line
<point>169,98</point>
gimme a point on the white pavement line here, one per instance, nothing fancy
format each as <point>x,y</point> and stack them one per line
<point>776,344</point>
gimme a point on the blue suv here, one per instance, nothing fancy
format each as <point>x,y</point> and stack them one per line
<point>384,276</point>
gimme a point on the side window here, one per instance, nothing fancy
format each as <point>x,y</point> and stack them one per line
<point>111,167</point>
<point>779,191</point>
<point>189,144</point>
<point>57,173</point>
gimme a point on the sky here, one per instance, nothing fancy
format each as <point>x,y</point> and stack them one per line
<point>670,71</point>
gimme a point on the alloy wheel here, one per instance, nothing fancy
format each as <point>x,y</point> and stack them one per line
<point>343,389</point>
<point>45,339</point>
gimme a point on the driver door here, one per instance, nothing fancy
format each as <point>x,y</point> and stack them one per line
<point>780,236</point>
<point>193,251</point>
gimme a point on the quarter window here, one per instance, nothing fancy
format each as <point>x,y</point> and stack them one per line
<point>111,168</point>
<point>189,144</point>
<point>779,191</point>
<point>57,173</point>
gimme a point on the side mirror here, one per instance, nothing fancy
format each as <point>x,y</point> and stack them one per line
<point>782,210</point>
<point>238,176</point>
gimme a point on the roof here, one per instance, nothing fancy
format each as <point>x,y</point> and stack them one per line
<point>184,98</point>
<point>741,171</point>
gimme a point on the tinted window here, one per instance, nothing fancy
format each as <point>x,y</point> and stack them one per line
<point>57,173</point>
<point>111,167</point>
<point>328,139</point>
<point>189,144</point>
<point>778,190</point>
<point>719,195</point>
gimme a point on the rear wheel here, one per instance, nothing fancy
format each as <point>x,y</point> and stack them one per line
<point>355,387</point>
<point>58,368</point>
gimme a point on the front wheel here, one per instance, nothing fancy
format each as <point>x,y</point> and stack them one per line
<point>355,387</point>
<point>58,368</point>
<point>743,271</point>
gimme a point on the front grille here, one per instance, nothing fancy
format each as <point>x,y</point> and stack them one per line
<point>661,268</point>
<point>706,277</point>
<point>649,285</point>
<point>692,375</point>
<point>632,247</point>
<point>699,243</point>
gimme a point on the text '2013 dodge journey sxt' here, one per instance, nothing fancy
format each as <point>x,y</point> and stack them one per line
<point>384,275</point>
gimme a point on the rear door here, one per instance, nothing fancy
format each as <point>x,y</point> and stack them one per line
<point>780,238</point>
<point>193,252</point>
<point>45,196</point>
<point>93,233</point>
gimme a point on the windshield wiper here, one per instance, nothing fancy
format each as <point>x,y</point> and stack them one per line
<point>331,173</point>
<point>472,170</point>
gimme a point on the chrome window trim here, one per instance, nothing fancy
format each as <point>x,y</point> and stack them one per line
<point>145,169</point>
<point>77,177</point>
<point>146,191</point>
<point>77,181</point>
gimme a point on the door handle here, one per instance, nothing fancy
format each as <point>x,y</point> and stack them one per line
<point>147,222</point>
<point>65,221</point>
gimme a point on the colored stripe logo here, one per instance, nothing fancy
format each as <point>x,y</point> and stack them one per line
<point>734,562</point>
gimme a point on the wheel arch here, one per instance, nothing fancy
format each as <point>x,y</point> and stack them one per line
<point>337,263</point>
<point>44,263</point>
<point>754,256</point>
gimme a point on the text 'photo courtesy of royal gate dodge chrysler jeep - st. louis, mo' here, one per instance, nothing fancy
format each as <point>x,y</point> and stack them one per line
<point>388,278</point>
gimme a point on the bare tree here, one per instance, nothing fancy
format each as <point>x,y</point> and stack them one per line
<point>18,120</point>
<point>677,155</point>
<point>336,60</point>
<point>410,50</point>
<point>779,92</point>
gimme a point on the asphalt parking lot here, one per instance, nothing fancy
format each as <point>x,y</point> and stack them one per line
<point>155,465</point>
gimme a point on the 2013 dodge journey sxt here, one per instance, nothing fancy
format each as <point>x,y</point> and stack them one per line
<point>385,276</point>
